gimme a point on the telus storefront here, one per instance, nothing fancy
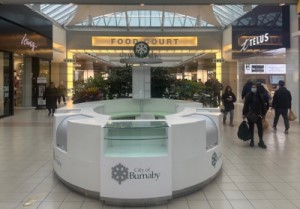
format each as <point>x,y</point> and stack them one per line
<point>259,42</point>
<point>25,55</point>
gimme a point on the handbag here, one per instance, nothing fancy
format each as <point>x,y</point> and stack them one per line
<point>252,116</point>
<point>292,116</point>
<point>244,132</point>
<point>265,124</point>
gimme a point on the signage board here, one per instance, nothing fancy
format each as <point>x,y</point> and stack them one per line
<point>252,35</point>
<point>162,41</point>
<point>41,87</point>
<point>265,68</point>
<point>14,38</point>
<point>127,177</point>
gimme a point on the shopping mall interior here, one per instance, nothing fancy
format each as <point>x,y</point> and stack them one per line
<point>144,66</point>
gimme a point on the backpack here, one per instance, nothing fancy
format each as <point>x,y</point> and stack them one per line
<point>244,132</point>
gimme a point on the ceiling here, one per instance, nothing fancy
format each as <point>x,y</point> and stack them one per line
<point>129,19</point>
<point>149,2</point>
<point>200,15</point>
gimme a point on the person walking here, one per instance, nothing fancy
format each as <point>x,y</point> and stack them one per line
<point>246,88</point>
<point>51,95</point>
<point>282,102</point>
<point>62,90</point>
<point>228,99</point>
<point>255,104</point>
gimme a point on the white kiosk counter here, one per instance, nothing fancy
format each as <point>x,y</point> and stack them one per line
<point>137,152</point>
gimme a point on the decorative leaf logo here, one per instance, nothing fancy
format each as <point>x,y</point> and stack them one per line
<point>119,173</point>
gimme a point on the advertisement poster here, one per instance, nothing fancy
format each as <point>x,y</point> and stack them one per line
<point>41,86</point>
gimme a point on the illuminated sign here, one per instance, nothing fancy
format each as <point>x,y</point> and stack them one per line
<point>118,41</point>
<point>27,42</point>
<point>265,39</point>
<point>265,68</point>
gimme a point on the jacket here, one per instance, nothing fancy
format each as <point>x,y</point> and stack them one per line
<point>254,102</point>
<point>228,104</point>
<point>282,99</point>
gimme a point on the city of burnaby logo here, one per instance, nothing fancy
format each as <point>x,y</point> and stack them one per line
<point>119,173</point>
<point>215,158</point>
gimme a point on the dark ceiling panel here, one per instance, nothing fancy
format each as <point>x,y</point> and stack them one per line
<point>26,18</point>
<point>149,2</point>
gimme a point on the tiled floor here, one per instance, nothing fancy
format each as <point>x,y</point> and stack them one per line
<point>250,178</point>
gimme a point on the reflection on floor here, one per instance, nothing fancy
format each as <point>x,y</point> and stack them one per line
<point>250,178</point>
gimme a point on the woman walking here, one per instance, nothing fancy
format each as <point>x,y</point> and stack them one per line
<point>254,109</point>
<point>228,98</point>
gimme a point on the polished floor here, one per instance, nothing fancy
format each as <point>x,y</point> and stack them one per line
<point>250,178</point>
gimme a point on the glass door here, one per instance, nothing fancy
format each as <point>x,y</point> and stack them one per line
<point>6,89</point>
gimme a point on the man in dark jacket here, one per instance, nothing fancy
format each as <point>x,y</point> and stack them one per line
<point>51,95</point>
<point>282,102</point>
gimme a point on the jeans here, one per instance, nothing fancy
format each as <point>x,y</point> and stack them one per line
<point>284,113</point>
<point>259,128</point>
<point>231,113</point>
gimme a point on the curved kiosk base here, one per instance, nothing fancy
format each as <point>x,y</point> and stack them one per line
<point>131,152</point>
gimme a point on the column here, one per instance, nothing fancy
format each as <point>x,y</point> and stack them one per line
<point>88,70</point>
<point>293,62</point>
<point>201,72</point>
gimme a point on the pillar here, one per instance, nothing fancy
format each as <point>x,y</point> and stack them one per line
<point>88,70</point>
<point>201,72</point>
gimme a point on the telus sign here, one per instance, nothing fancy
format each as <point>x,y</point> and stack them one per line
<point>27,42</point>
<point>249,42</point>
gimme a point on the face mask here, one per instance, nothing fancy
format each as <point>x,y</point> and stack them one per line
<point>253,90</point>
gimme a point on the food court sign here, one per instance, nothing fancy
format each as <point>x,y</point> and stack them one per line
<point>119,41</point>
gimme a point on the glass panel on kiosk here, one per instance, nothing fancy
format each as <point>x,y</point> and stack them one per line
<point>138,138</point>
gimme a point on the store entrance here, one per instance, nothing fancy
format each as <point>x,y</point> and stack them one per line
<point>26,71</point>
<point>18,79</point>
<point>5,85</point>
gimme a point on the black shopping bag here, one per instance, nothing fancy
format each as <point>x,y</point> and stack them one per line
<point>244,132</point>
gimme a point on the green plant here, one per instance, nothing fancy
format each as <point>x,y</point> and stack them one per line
<point>120,82</point>
<point>90,90</point>
<point>186,89</point>
<point>160,82</point>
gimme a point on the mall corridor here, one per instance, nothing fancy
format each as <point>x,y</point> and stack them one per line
<point>251,178</point>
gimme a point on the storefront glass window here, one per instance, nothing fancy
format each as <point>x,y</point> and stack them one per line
<point>5,96</point>
<point>44,69</point>
<point>18,79</point>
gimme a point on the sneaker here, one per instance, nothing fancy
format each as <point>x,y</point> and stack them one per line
<point>231,125</point>
<point>252,143</point>
<point>286,131</point>
<point>262,145</point>
<point>274,127</point>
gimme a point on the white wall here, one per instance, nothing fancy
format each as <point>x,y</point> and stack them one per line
<point>292,61</point>
<point>227,42</point>
<point>58,66</point>
<point>59,44</point>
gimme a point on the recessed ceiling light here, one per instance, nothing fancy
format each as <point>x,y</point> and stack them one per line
<point>282,4</point>
<point>142,4</point>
